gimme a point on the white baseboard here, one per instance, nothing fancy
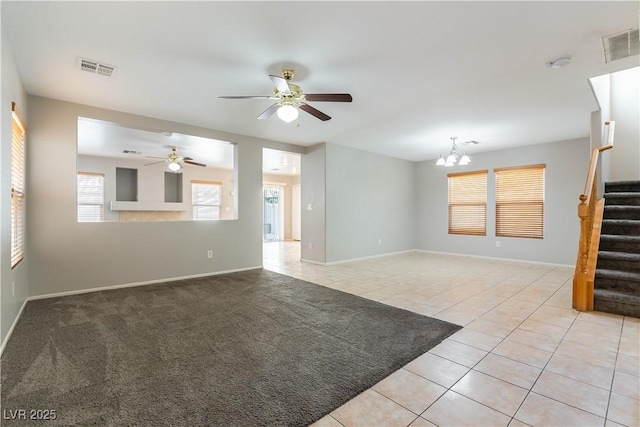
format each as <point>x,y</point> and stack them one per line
<point>131,285</point>
<point>495,258</point>
<point>312,262</point>
<point>344,261</point>
<point>13,326</point>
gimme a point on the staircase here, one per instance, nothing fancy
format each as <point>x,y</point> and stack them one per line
<point>617,279</point>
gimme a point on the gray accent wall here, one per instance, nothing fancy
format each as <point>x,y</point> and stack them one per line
<point>65,255</point>
<point>565,174</point>
<point>13,282</point>
<point>370,206</point>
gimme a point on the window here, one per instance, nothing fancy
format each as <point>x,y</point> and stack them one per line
<point>90,197</point>
<point>520,201</point>
<point>18,210</point>
<point>205,199</point>
<point>468,203</point>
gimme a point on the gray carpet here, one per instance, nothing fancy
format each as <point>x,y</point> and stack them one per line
<point>254,348</point>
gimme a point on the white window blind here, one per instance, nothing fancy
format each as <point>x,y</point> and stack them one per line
<point>468,203</point>
<point>90,197</point>
<point>520,201</point>
<point>205,200</point>
<point>18,208</point>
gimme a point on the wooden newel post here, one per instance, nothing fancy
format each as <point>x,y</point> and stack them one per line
<point>580,289</point>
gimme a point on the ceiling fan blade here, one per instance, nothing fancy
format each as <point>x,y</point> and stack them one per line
<point>314,112</point>
<point>281,85</point>
<point>248,97</point>
<point>155,157</point>
<point>328,97</point>
<point>155,163</point>
<point>191,162</point>
<point>268,112</point>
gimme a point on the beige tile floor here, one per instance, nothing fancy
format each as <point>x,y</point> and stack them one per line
<point>524,356</point>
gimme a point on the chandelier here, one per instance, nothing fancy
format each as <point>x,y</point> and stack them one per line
<point>455,156</point>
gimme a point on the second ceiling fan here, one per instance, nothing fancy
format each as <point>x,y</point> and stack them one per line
<point>290,98</point>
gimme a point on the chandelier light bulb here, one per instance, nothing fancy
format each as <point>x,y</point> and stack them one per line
<point>440,161</point>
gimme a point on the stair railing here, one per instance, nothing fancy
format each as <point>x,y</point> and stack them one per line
<point>590,211</point>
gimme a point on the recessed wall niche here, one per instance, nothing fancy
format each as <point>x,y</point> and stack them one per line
<point>172,187</point>
<point>148,173</point>
<point>126,185</point>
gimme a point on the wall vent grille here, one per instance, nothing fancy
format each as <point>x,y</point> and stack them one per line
<point>97,67</point>
<point>621,45</point>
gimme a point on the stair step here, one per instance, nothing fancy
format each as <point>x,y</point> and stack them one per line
<point>622,198</point>
<point>622,186</point>
<point>624,227</point>
<point>620,261</point>
<point>615,280</point>
<point>616,302</point>
<point>617,243</point>
<point>622,212</point>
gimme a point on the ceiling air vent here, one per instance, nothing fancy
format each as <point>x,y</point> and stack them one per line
<point>96,67</point>
<point>131,152</point>
<point>621,45</point>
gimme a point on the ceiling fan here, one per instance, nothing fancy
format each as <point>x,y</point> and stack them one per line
<point>290,98</point>
<point>175,160</point>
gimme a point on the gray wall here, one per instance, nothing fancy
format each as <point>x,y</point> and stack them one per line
<point>567,163</point>
<point>370,206</point>
<point>312,187</point>
<point>69,256</point>
<point>13,282</point>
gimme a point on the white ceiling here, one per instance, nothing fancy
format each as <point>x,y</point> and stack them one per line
<point>106,139</point>
<point>419,72</point>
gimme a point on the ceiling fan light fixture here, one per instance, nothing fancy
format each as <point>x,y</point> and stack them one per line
<point>287,113</point>
<point>175,166</point>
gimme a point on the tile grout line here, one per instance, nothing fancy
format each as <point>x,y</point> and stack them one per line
<point>546,364</point>
<point>613,377</point>
<point>502,339</point>
<point>541,369</point>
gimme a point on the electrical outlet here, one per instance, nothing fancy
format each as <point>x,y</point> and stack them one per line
<point>13,289</point>
<point>209,254</point>
<point>497,243</point>
<point>379,241</point>
<point>310,245</point>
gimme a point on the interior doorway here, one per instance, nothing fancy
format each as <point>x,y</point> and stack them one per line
<point>281,204</point>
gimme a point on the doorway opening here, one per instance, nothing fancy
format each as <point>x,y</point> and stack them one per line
<point>281,207</point>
